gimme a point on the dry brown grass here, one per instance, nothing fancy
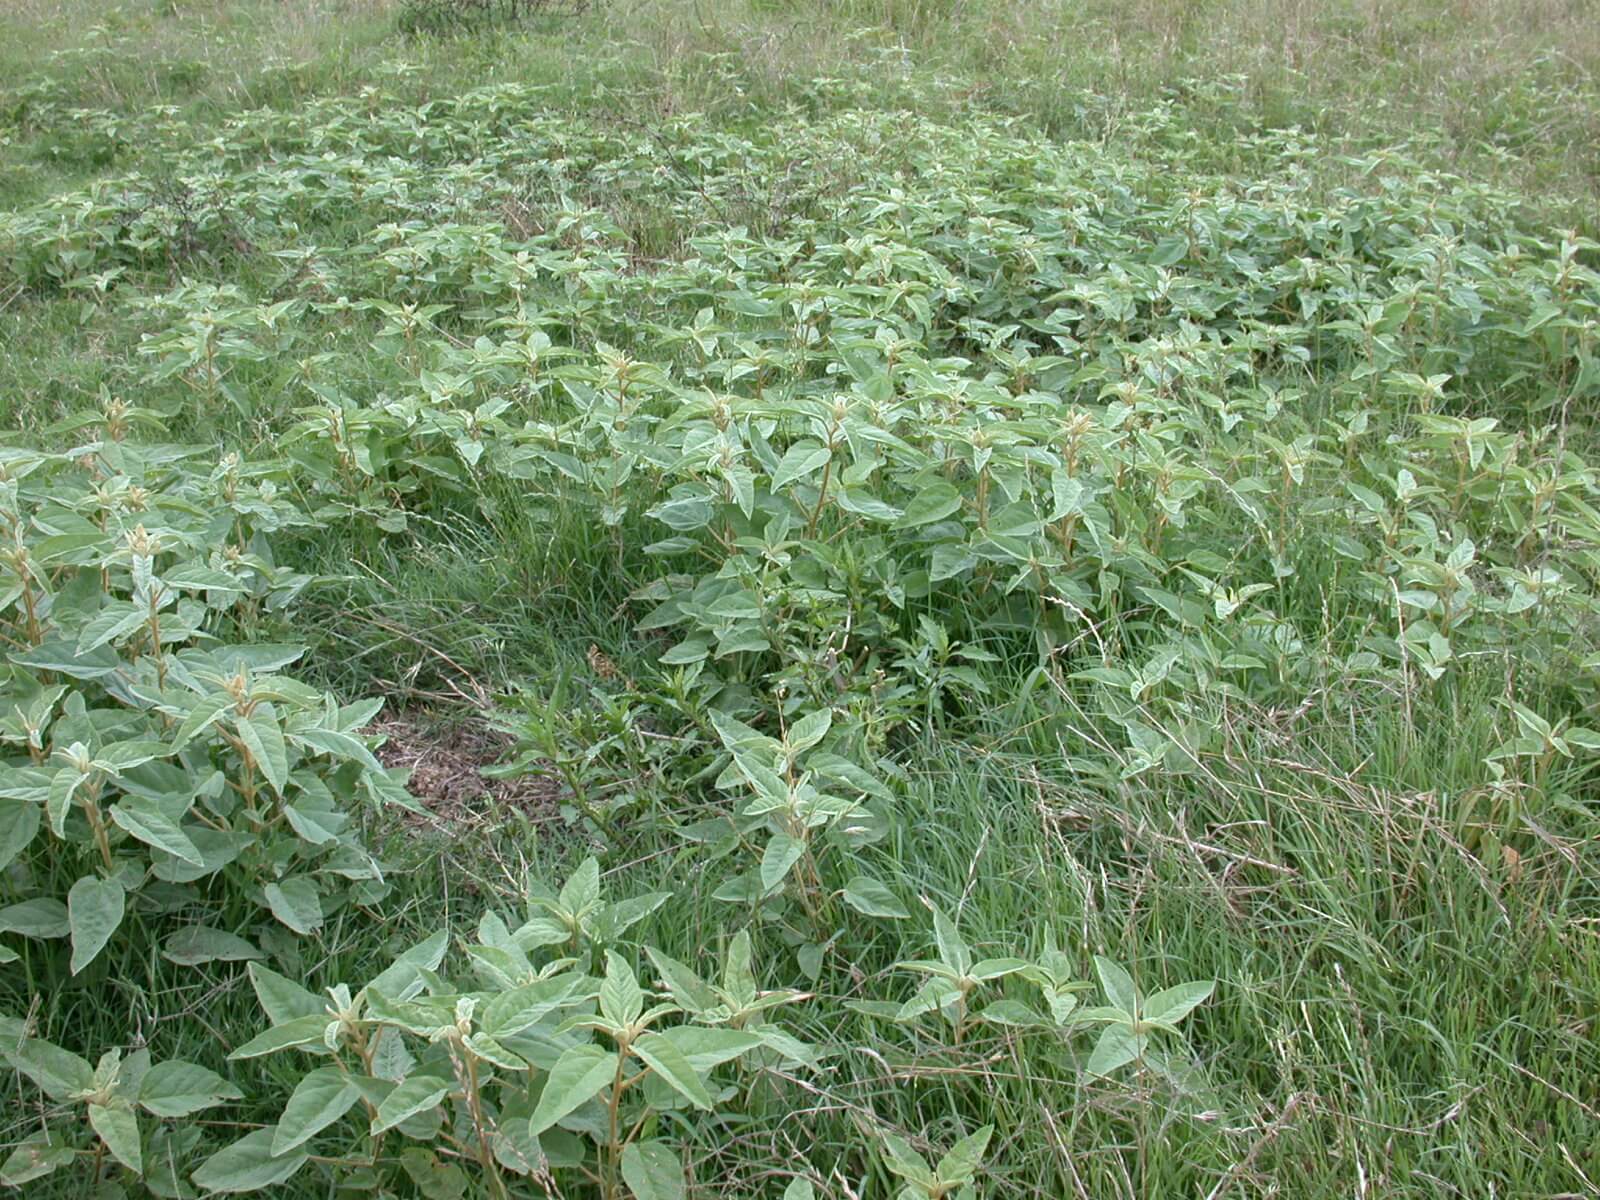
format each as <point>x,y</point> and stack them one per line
<point>446,759</point>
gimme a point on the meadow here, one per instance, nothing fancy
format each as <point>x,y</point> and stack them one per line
<point>773,598</point>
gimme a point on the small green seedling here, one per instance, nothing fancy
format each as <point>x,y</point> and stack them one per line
<point>1130,1018</point>
<point>953,1175</point>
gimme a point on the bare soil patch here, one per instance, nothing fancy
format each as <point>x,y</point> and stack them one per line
<point>447,758</point>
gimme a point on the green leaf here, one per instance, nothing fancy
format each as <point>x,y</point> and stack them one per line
<point>930,997</point>
<point>248,1165</point>
<point>146,822</point>
<point>34,1159</point>
<point>963,1159</point>
<point>177,1088</point>
<point>19,822</point>
<point>614,920</point>
<point>690,650</point>
<point>204,714</point>
<point>512,1012</point>
<point>952,950</point>
<point>1118,985</point>
<point>933,503</point>
<point>391,1060</point>
<point>809,730</point>
<point>282,999</point>
<point>417,1094</point>
<point>435,1180</point>
<point>300,1031</point>
<point>94,910</point>
<point>121,757</point>
<point>517,1150</point>
<point>772,787</point>
<point>779,858</point>
<point>578,1076</point>
<point>862,502</point>
<point>689,991</point>
<point>400,979</point>
<point>703,1047</point>
<point>1169,251</point>
<point>297,902</point>
<point>490,1050</point>
<point>111,624</point>
<point>1175,1003</point>
<point>63,786</point>
<point>41,917</point>
<point>738,978</point>
<point>871,898</point>
<point>621,997</point>
<point>1579,735</point>
<point>791,1049</point>
<point>673,1069</point>
<point>582,889</point>
<point>1061,1002</point>
<point>743,888</point>
<point>62,658</point>
<point>905,1162</point>
<point>1118,1046</point>
<point>339,745</point>
<point>118,1127</point>
<point>799,461</point>
<point>652,1171</point>
<point>313,826</point>
<point>58,1073</point>
<point>799,1189</point>
<point>949,560</point>
<point>1011,1012</point>
<point>263,737</point>
<point>197,944</point>
<point>319,1099</point>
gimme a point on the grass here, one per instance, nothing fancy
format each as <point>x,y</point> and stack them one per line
<point>1404,940</point>
<point>1505,90</point>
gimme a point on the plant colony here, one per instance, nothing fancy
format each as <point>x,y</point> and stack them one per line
<point>997,535</point>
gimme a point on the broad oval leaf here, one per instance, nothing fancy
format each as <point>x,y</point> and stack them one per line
<point>198,944</point>
<point>94,910</point>
<point>513,1011</point>
<point>319,1099</point>
<point>871,898</point>
<point>297,902</point>
<point>300,1031</point>
<point>652,1171</point>
<point>282,999</point>
<point>177,1088</point>
<point>1118,1046</point>
<point>248,1165</point>
<point>1174,1003</point>
<point>1118,985</point>
<point>416,1094</point>
<point>779,858</point>
<point>932,503</point>
<point>263,737</point>
<point>34,1159</point>
<point>19,822</point>
<point>118,1127</point>
<point>146,822</point>
<point>578,1076</point>
<point>57,1072</point>
<point>703,1047</point>
<point>673,1068</point>
<point>41,917</point>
